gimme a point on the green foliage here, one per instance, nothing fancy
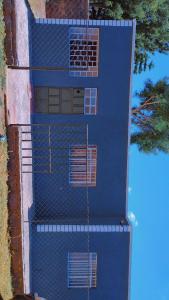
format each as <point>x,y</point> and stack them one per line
<point>151,118</point>
<point>152,18</point>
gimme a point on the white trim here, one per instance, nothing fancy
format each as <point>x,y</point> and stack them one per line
<point>111,23</point>
<point>83,228</point>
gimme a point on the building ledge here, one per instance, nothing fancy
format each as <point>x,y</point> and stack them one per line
<point>110,23</point>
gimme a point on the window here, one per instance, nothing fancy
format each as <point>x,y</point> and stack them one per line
<point>82,165</point>
<point>82,269</point>
<point>90,101</point>
<point>84,43</point>
<point>65,100</point>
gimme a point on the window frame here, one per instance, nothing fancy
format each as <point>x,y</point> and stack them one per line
<point>92,108</point>
<point>91,63</point>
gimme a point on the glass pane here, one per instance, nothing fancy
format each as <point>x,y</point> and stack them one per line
<point>93,110</point>
<point>87,92</point>
<point>87,101</point>
<point>93,92</point>
<point>87,110</point>
<point>93,101</point>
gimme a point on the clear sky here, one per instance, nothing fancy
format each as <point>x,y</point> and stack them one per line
<point>149,210</point>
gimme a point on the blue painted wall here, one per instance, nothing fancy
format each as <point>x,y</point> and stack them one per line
<point>54,199</point>
<point>109,128</point>
<point>49,272</point>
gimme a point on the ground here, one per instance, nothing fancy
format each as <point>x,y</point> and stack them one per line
<point>5,257</point>
<point>18,95</point>
<point>19,110</point>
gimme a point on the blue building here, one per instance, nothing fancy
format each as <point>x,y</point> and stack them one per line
<point>81,237</point>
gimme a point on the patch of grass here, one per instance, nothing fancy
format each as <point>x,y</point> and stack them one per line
<point>2,53</point>
<point>5,257</point>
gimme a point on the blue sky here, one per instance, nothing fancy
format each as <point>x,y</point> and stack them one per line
<point>149,210</point>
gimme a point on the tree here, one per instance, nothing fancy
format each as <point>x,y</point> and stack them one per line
<point>152,18</point>
<point>150,118</point>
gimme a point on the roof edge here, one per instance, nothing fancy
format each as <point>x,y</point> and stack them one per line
<point>110,23</point>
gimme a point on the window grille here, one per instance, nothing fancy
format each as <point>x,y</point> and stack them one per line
<point>90,101</point>
<point>84,43</point>
<point>82,165</point>
<point>82,270</point>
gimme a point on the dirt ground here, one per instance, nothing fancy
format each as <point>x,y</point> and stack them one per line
<point>10,32</point>
<point>5,255</point>
<point>18,94</point>
<point>2,115</point>
<point>14,211</point>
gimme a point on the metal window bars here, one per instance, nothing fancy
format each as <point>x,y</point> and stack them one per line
<point>82,269</point>
<point>82,171</point>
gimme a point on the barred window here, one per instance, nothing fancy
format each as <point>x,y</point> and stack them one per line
<point>82,270</point>
<point>82,165</point>
<point>84,43</point>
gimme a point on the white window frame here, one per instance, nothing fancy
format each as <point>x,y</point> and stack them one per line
<point>90,101</point>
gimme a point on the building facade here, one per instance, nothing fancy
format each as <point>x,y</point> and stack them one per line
<point>80,234</point>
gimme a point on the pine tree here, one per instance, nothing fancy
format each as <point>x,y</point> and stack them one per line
<point>152,18</point>
<point>150,118</point>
